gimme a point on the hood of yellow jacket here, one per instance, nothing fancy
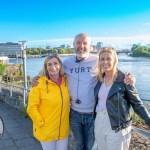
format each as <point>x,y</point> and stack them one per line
<point>44,78</point>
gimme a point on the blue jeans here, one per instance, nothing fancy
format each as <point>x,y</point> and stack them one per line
<point>82,126</point>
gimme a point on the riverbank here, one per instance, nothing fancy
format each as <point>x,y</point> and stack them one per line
<point>139,54</point>
<point>60,55</point>
<point>39,56</point>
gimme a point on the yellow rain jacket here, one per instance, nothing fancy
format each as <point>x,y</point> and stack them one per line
<point>48,107</point>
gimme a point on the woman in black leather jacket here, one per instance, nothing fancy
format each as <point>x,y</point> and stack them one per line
<point>113,99</point>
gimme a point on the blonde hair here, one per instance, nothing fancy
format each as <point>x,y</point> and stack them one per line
<point>44,69</point>
<point>99,71</point>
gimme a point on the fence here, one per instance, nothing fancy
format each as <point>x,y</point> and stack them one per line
<point>17,94</point>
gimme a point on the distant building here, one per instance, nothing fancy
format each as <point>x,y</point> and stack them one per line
<point>10,49</point>
<point>99,45</point>
<point>68,46</point>
<point>63,46</point>
<point>48,47</point>
<point>93,48</point>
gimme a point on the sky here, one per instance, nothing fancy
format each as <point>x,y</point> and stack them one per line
<point>54,22</point>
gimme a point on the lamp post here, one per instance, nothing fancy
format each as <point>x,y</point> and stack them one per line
<point>24,70</point>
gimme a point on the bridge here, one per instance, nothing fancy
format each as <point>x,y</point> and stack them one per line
<point>127,51</point>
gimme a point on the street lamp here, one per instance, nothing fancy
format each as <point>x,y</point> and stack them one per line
<point>24,70</point>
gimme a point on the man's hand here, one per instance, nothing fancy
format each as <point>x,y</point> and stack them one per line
<point>129,78</point>
<point>35,81</point>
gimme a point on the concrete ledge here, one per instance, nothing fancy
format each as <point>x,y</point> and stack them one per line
<point>15,100</point>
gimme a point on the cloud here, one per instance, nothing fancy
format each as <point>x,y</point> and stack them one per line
<point>120,42</point>
<point>146,24</point>
<point>50,42</point>
<point>123,42</point>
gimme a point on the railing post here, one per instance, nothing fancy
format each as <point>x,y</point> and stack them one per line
<point>24,72</point>
<point>24,97</point>
<point>10,91</point>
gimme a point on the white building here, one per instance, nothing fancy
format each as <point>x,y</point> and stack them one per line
<point>10,49</point>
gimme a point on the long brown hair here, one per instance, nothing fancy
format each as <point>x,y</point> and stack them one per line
<point>44,69</point>
<point>99,70</point>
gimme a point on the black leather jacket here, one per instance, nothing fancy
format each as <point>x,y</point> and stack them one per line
<point>120,98</point>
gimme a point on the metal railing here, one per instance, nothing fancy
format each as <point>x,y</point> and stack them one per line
<point>25,88</point>
<point>11,87</point>
<point>140,131</point>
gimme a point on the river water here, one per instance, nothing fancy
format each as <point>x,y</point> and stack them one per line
<point>140,67</point>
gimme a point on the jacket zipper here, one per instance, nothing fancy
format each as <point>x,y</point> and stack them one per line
<point>61,112</point>
<point>118,112</point>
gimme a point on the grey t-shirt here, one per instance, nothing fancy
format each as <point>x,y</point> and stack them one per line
<point>81,82</point>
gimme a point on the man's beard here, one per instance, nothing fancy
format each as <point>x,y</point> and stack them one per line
<point>81,54</point>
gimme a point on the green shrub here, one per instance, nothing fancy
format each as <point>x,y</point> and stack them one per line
<point>2,69</point>
<point>136,118</point>
<point>24,111</point>
<point>21,69</point>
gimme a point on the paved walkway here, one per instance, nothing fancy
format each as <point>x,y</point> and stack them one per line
<point>18,130</point>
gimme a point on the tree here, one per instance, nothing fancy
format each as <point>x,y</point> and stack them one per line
<point>140,51</point>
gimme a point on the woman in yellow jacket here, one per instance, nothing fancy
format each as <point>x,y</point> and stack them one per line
<point>48,106</point>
